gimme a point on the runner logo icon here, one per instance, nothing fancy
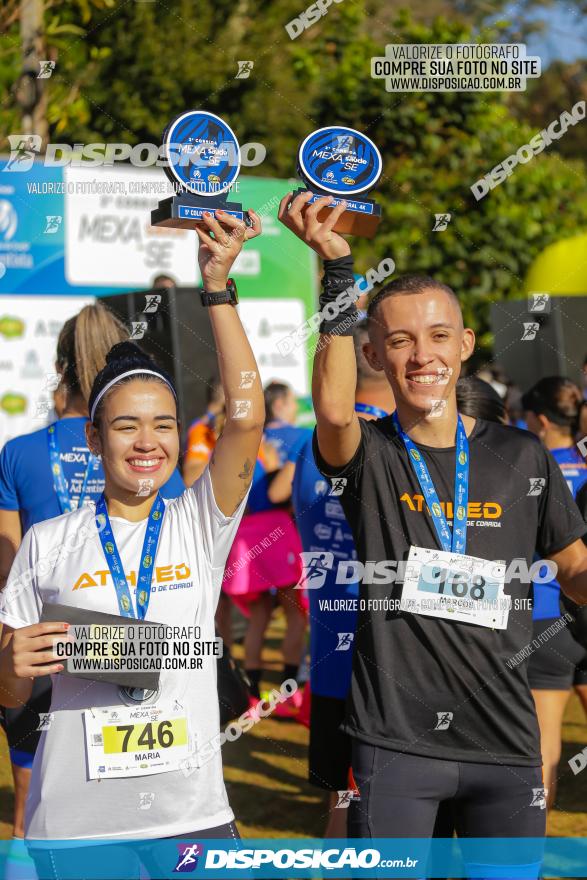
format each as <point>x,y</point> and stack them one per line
<point>139,328</point>
<point>443,720</point>
<point>46,69</point>
<point>241,409</point>
<point>344,799</point>
<point>23,150</point>
<point>187,860</point>
<point>539,302</point>
<point>152,302</point>
<point>530,331</point>
<point>345,641</point>
<point>247,378</point>
<point>315,565</point>
<point>244,69</point>
<point>45,720</point>
<point>53,223</point>
<point>146,799</point>
<point>538,798</point>
<point>441,222</point>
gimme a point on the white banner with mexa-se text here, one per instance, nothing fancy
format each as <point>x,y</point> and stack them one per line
<point>109,239</point>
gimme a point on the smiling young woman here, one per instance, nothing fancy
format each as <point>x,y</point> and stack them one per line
<point>145,558</point>
<point>133,427</point>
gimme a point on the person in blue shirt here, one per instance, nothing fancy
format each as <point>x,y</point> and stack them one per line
<point>281,408</point>
<point>43,475</point>
<point>560,663</point>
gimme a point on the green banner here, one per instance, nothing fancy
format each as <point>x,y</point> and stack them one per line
<point>277,277</point>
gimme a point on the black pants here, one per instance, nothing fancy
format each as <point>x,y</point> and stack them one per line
<point>400,795</point>
<point>56,864</point>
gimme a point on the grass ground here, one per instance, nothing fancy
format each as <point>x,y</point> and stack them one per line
<point>266,770</point>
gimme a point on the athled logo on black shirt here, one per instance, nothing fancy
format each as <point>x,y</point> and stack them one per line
<point>486,510</point>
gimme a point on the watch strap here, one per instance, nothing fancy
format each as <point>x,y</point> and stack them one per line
<point>216,298</point>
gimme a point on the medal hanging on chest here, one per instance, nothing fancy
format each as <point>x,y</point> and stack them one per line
<point>132,695</point>
<point>446,583</point>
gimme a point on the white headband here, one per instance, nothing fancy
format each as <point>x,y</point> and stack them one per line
<point>136,371</point>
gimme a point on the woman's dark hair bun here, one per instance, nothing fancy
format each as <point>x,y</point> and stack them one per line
<point>129,351</point>
<point>122,358</point>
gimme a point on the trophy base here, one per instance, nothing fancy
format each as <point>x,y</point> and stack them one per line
<point>361,217</point>
<point>185,211</point>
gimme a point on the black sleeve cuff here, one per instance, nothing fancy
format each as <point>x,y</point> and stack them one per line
<point>338,273</point>
<point>351,467</point>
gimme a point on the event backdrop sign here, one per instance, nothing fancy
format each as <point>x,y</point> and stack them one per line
<point>60,233</point>
<point>31,259</point>
<point>29,327</point>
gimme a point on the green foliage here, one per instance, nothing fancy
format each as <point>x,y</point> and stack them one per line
<point>140,64</point>
<point>559,87</point>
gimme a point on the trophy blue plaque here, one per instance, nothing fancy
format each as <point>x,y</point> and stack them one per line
<point>202,162</point>
<point>343,163</point>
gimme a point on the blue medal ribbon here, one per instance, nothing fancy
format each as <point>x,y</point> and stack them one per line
<point>59,481</point>
<point>457,540</point>
<point>371,410</point>
<point>146,565</point>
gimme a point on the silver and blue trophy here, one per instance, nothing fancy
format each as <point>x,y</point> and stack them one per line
<point>343,163</point>
<point>203,162</point>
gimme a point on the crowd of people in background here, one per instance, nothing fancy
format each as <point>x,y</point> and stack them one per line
<point>291,499</point>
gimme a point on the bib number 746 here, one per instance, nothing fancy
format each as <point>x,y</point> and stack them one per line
<point>144,737</point>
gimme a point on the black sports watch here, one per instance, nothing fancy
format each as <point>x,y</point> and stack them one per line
<point>229,295</point>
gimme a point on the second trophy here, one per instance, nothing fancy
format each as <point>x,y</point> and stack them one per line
<point>345,164</point>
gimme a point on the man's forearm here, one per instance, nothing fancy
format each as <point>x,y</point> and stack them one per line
<point>571,571</point>
<point>334,379</point>
<point>576,587</point>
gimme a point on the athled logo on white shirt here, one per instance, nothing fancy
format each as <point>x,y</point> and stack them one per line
<point>165,576</point>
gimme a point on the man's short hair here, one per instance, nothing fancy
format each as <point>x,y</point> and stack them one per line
<point>360,337</point>
<point>407,284</point>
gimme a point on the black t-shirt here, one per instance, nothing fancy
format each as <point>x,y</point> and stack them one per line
<point>581,501</point>
<point>410,670</point>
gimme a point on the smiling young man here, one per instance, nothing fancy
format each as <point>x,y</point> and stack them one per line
<point>439,708</point>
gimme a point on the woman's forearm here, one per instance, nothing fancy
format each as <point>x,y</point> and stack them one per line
<point>14,691</point>
<point>239,373</point>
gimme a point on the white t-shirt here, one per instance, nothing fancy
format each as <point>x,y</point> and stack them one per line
<point>58,563</point>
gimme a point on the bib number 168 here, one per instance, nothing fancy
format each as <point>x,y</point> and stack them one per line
<point>456,583</point>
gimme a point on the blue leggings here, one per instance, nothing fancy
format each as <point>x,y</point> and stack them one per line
<point>64,864</point>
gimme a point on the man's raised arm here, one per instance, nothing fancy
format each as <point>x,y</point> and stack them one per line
<point>334,377</point>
